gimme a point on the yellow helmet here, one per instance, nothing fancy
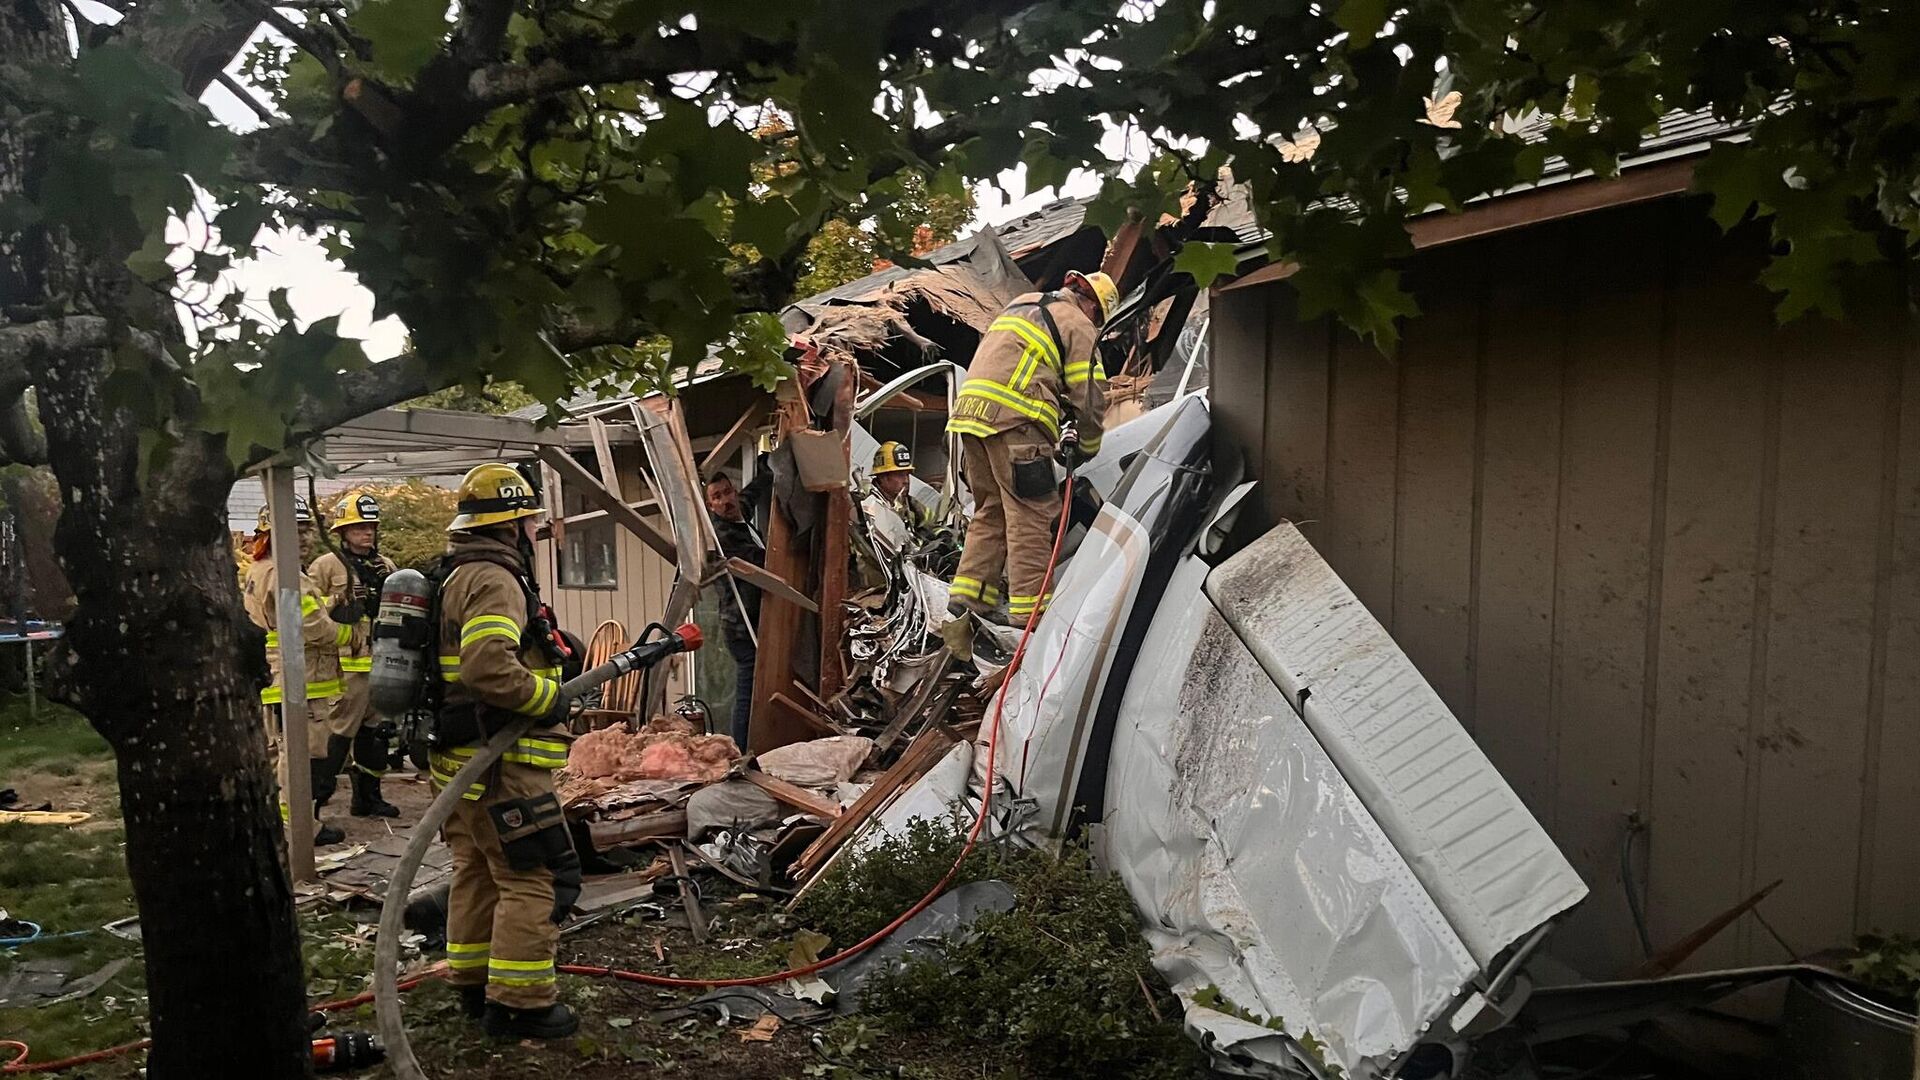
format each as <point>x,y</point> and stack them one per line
<point>302,515</point>
<point>494,494</point>
<point>1105,292</point>
<point>362,509</point>
<point>892,457</point>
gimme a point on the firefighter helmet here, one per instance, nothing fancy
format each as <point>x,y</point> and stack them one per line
<point>361,509</point>
<point>1105,293</point>
<point>891,457</point>
<point>302,515</point>
<point>494,494</point>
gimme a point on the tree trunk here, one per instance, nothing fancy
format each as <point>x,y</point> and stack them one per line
<point>163,662</point>
<point>158,655</point>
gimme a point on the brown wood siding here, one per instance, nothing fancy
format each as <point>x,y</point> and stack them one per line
<point>1660,556</point>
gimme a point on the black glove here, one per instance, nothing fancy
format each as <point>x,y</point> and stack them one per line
<point>348,611</point>
<point>1068,453</point>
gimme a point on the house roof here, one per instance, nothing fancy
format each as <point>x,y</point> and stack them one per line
<point>1661,166</point>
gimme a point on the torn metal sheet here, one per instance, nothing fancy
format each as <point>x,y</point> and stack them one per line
<point>1487,863</point>
<point>1255,866</point>
<point>1155,485</point>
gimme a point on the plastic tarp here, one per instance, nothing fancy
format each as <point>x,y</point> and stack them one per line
<point>1487,863</point>
<point>1255,865</point>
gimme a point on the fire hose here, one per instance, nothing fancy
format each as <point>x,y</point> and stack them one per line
<point>386,985</point>
<point>393,1032</point>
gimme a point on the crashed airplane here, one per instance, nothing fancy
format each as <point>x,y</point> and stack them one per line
<point>1306,829</point>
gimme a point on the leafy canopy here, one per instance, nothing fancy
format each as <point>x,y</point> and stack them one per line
<point>535,189</point>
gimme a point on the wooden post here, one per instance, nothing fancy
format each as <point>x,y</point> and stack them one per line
<point>834,528</point>
<point>835,534</point>
<point>572,472</point>
<point>779,619</point>
<point>294,710</point>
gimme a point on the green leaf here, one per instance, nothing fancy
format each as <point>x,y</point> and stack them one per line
<point>149,264</point>
<point>1206,262</point>
<point>404,34</point>
<point>1363,19</point>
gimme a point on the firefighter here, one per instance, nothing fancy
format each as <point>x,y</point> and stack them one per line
<point>323,636</point>
<point>351,578</point>
<point>892,474</point>
<point>515,871</point>
<point>895,517</point>
<point>1036,369</point>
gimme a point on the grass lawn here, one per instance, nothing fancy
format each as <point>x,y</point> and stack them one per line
<point>70,880</point>
<point>74,879</point>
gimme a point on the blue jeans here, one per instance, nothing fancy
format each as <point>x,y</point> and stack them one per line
<point>743,660</point>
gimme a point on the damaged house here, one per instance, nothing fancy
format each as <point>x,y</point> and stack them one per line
<point>1412,699</point>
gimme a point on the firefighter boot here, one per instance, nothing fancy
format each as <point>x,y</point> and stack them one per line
<point>554,1021</point>
<point>326,770</point>
<point>473,1001</point>
<point>367,801</point>
<point>325,834</point>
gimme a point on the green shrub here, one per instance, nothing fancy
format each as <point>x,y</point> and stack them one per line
<point>1058,986</point>
<point>1890,964</point>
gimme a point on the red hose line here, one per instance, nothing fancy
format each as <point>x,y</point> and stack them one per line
<point>973,835</point>
<point>18,1064</point>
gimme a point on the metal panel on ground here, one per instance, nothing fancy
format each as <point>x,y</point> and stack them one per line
<point>1256,866</point>
<point>1488,865</point>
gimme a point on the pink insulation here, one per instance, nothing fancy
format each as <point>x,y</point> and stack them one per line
<point>618,755</point>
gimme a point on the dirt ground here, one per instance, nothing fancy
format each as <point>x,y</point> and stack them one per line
<point>74,880</point>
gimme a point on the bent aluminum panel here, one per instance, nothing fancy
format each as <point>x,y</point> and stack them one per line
<point>1484,859</point>
<point>1255,866</point>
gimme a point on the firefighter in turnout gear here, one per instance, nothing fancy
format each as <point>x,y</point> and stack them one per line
<point>896,520</point>
<point>351,578</point>
<point>323,638</point>
<point>1036,370</point>
<point>515,872</point>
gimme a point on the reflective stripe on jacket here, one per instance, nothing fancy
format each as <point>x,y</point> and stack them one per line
<point>335,581</point>
<point>486,659</point>
<point>1021,375</point>
<point>323,638</point>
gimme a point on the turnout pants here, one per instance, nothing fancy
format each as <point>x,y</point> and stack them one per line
<point>500,929</point>
<point>350,716</point>
<point>1011,535</point>
<point>317,730</point>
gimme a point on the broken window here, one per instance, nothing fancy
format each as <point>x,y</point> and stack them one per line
<point>587,559</point>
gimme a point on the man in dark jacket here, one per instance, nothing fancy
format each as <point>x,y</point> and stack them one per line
<point>733,510</point>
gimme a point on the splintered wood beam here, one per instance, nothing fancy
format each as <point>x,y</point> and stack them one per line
<point>557,528</point>
<point>821,726</point>
<point>835,539</point>
<point>790,561</point>
<point>572,472</point>
<point>920,756</point>
<point>768,582</point>
<point>834,557</point>
<point>793,794</point>
<point>655,826</point>
<point>1120,254</point>
<point>603,453</point>
<point>737,435</point>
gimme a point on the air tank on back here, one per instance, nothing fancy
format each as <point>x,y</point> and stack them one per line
<point>401,634</point>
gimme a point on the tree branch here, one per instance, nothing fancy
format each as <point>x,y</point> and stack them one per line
<point>63,335</point>
<point>482,30</point>
<point>587,63</point>
<point>253,104</point>
<point>314,44</point>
